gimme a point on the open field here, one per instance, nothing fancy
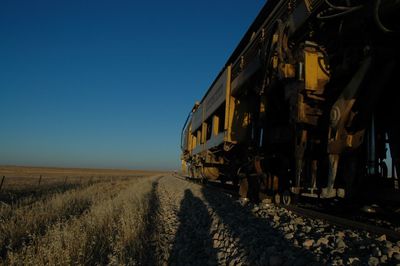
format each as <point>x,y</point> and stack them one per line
<point>21,176</point>
<point>21,183</point>
<point>158,219</point>
<point>82,222</point>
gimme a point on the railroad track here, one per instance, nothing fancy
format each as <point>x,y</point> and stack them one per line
<point>311,213</point>
<point>345,222</point>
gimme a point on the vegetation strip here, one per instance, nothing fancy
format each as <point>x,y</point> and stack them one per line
<point>19,226</point>
<point>110,232</point>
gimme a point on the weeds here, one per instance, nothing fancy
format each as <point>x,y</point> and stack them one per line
<point>20,225</point>
<point>102,224</point>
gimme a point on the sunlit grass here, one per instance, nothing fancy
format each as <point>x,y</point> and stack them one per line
<point>101,224</point>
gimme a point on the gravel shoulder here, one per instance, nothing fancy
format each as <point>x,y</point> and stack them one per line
<point>202,226</point>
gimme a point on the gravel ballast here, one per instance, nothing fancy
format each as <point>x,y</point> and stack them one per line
<point>195,225</point>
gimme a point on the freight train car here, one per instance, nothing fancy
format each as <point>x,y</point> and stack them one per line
<point>305,105</point>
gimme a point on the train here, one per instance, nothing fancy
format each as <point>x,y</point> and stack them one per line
<point>305,106</point>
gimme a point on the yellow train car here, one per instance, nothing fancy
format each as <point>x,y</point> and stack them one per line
<point>302,106</point>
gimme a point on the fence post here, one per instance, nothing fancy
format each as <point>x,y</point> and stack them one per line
<point>40,180</point>
<point>65,180</point>
<point>2,181</point>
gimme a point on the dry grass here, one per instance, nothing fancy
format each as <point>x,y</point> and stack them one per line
<point>101,223</point>
<point>23,177</point>
<point>28,171</point>
<point>22,183</point>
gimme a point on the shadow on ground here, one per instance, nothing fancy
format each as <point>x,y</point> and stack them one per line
<point>193,244</point>
<point>147,253</point>
<point>259,243</point>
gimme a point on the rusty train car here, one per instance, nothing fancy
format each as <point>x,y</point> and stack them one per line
<point>305,105</point>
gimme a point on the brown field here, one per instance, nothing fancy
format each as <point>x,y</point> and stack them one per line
<point>22,182</point>
<point>54,172</point>
<point>97,216</point>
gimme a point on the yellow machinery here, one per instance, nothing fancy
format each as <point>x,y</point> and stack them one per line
<point>303,106</point>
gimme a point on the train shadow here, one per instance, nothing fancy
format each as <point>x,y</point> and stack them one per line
<point>259,243</point>
<point>192,244</point>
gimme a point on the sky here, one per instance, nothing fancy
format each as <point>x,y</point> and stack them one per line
<point>108,84</point>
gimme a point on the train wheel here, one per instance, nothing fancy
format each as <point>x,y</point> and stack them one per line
<point>286,197</point>
<point>277,198</point>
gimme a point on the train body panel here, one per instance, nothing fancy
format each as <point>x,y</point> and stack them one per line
<point>302,104</point>
<point>207,129</point>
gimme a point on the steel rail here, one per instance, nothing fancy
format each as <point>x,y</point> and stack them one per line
<point>344,222</point>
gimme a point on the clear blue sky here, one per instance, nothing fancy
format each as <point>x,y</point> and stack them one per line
<point>108,83</point>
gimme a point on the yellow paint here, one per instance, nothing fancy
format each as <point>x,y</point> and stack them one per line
<point>311,62</point>
<point>190,139</point>
<point>262,106</point>
<point>198,138</point>
<point>275,62</point>
<point>229,107</point>
<point>215,125</point>
<point>275,38</point>
<point>315,77</point>
<point>275,183</point>
<point>246,120</point>
<point>308,5</point>
<point>184,167</point>
<point>301,114</point>
<point>194,142</point>
<point>289,71</point>
<point>349,141</point>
